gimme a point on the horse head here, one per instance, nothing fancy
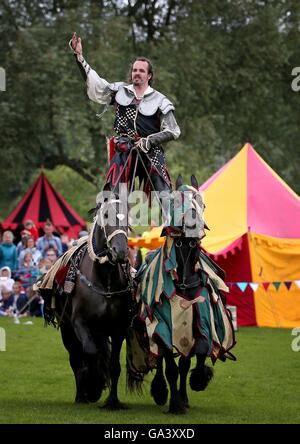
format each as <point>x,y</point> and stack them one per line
<point>112,219</point>
<point>186,211</point>
<point>186,226</point>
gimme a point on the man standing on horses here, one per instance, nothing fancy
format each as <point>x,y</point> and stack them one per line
<point>144,119</point>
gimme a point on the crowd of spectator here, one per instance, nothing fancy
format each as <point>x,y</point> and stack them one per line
<point>23,264</point>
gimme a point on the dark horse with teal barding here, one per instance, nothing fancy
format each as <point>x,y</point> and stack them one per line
<point>94,316</point>
<point>182,305</point>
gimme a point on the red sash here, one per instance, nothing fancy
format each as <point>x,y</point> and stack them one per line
<point>111,148</point>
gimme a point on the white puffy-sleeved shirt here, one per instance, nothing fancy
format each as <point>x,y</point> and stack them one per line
<point>151,114</point>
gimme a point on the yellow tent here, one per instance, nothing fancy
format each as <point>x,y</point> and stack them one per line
<point>150,239</point>
<point>254,221</point>
<point>254,218</point>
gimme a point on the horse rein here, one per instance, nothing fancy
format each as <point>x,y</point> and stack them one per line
<point>139,158</point>
<point>96,289</point>
<point>102,256</point>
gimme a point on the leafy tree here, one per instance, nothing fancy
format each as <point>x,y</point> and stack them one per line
<point>226,65</point>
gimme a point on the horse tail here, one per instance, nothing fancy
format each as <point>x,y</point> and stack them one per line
<point>134,381</point>
<point>159,388</point>
<point>136,359</point>
<point>48,312</point>
<point>98,374</point>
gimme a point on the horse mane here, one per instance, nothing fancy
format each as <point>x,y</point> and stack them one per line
<point>93,211</point>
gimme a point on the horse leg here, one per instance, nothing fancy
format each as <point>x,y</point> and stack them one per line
<point>92,376</point>
<point>176,405</point>
<point>76,360</point>
<point>184,366</point>
<point>84,335</point>
<point>201,374</point>
<point>112,402</point>
<point>159,389</point>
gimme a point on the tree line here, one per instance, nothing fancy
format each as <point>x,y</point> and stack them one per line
<point>227,65</point>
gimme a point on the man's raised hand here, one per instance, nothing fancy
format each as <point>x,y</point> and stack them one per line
<point>76,44</point>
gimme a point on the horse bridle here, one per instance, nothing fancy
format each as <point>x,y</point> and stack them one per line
<point>102,255</point>
<point>184,285</point>
<point>107,294</point>
<point>193,243</point>
<point>109,237</point>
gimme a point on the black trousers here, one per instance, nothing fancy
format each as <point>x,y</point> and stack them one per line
<point>126,167</point>
<point>153,176</point>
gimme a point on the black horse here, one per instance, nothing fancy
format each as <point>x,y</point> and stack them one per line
<point>190,284</point>
<point>94,319</point>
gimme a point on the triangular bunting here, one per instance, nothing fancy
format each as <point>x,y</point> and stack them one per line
<point>297,283</point>
<point>254,286</point>
<point>266,285</point>
<point>276,285</point>
<point>242,285</point>
<point>288,284</point>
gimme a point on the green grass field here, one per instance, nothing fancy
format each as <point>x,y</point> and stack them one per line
<point>37,384</point>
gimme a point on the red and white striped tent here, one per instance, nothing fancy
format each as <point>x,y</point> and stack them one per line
<point>41,203</point>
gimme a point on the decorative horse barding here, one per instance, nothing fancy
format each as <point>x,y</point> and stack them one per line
<point>182,305</point>
<point>98,307</point>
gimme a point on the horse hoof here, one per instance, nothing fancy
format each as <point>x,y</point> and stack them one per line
<point>94,397</point>
<point>200,377</point>
<point>81,400</point>
<point>185,402</point>
<point>180,410</point>
<point>115,406</point>
<point>159,391</point>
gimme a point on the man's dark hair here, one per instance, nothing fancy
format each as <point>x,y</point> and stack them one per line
<point>150,69</point>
